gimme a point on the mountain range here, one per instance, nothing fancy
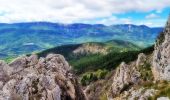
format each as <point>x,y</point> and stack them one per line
<point>112,70</point>
<point>23,38</point>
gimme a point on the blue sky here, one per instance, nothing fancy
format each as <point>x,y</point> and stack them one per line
<point>153,13</point>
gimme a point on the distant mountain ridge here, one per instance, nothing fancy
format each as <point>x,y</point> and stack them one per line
<point>45,35</point>
<point>77,51</point>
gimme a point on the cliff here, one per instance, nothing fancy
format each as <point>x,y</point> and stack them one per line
<point>161,59</point>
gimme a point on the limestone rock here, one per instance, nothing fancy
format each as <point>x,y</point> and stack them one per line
<point>161,59</point>
<point>90,48</point>
<point>141,59</point>
<point>136,94</point>
<point>127,75</point>
<point>30,78</point>
<point>141,94</point>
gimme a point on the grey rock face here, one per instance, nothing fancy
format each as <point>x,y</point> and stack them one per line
<point>30,78</point>
<point>136,94</point>
<point>124,76</point>
<point>141,59</point>
<point>161,59</point>
<point>127,75</point>
<point>141,94</point>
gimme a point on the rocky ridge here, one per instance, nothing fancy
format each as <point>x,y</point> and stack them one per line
<point>129,75</point>
<point>146,78</point>
<point>30,78</point>
<point>130,80</point>
<point>120,84</point>
<point>161,59</point>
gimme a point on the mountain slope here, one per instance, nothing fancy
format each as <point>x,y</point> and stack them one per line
<point>20,38</point>
<point>74,51</point>
<point>88,56</point>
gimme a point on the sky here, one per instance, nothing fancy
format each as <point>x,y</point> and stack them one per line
<point>153,13</point>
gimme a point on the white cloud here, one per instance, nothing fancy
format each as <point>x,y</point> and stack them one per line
<point>68,11</point>
<point>151,16</point>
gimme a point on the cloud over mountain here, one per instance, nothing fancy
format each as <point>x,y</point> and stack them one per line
<point>68,11</point>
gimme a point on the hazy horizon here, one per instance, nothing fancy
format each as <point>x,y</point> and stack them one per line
<point>81,23</point>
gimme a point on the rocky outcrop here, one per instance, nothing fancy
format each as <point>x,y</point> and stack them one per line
<point>125,76</point>
<point>161,59</point>
<point>91,48</point>
<point>30,78</point>
<point>128,75</point>
<point>138,94</point>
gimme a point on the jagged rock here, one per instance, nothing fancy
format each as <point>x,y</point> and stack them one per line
<point>136,94</point>
<point>161,59</point>
<point>30,78</point>
<point>127,75</point>
<point>141,59</point>
<point>141,94</point>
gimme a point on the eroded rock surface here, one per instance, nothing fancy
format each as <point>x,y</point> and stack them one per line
<point>127,75</point>
<point>161,59</point>
<point>30,78</point>
<point>138,94</point>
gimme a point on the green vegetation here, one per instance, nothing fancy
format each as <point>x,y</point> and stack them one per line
<point>92,67</point>
<point>162,87</point>
<point>103,97</point>
<point>117,51</point>
<point>146,72</point>
<point>89,77</point>
<point>23,38</point>
<point>65,50</point>
<point>9,59</point>
<point>161,38</point>
<point>109,61</point>
<point>110,46</point>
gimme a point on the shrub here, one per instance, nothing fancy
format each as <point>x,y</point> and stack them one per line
<point>89,77</point>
